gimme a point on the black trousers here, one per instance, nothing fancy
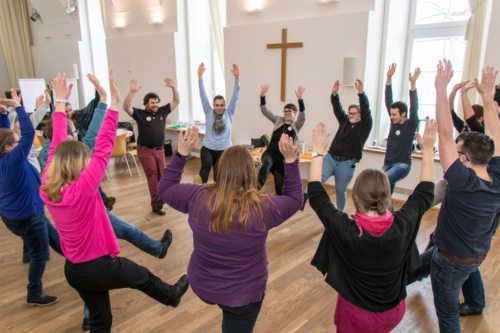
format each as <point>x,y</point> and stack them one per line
<point>274,163</point>
<point>240,319</point>
<point>94,279</point>
<point>209,159</point>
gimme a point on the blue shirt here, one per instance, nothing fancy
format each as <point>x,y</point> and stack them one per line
<point>466,219</point>
<point>19,179</point>
<point>223,140</point>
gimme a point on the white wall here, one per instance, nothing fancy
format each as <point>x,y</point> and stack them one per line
<point>492,54</point>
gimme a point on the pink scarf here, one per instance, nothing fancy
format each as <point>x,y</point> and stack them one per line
<point>374,225</point>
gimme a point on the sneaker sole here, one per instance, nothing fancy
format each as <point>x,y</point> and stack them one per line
<point>42,305</point>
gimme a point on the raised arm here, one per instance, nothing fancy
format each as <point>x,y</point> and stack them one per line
<point>41,108</point>
<point>466,105</point>
<point>457,122</point>
<point>93,173</point>
<point>127,103</point>
<point>175,93</point>
<point>491,119</point>
<point>301,118</point>
<point>98,116</point>
<point>414,97</point>
<point>235,70</point>
<point>447,148</point>
<point>364,104</point>
<point>338,111</point>
<point>205,102</point>
<point>179,196</point>
<point>264,88</point>
<point>388,87</point>
<point>426,142</point>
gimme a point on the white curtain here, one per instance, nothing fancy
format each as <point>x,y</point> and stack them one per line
<point>15,40</point>
<point>216,21</point>
<point>475,37</point>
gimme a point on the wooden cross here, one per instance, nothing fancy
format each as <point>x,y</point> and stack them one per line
<point>283,46</point>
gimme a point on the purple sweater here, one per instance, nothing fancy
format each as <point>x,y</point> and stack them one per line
<point>229,269</point>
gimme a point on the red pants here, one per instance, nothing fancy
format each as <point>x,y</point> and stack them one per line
<point>153,163</point>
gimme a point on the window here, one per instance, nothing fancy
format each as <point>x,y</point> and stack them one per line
<point>437,29</point>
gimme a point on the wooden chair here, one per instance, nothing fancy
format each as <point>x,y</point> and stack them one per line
<point>120,150</point>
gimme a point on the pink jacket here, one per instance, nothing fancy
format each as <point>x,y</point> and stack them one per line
<point>80,217</point>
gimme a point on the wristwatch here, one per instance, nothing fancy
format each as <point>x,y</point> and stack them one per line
<point>315,154</point>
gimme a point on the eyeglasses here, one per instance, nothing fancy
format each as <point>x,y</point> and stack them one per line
<point>353,113</point>
<point>219,105</point>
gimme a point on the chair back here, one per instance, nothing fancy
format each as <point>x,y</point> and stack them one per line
<point>120,147</point>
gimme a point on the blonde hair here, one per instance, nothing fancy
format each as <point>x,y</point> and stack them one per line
<point>235,188</point>
<point>371,191</point>
<point>70,159</point>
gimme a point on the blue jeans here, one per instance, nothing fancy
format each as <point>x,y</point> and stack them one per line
<point>396,172</point>
<point>447,278</point>
<point>37,233</point>
<point>130,233</point>
<point>343,172</point>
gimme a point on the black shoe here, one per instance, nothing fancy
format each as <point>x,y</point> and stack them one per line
<point>42,300</point>
<point>109,203</point>
<point>178,290</point>
<point>159,211</point>
<point>86,324</point>
<point>466,310</point>
<point>166,240</point>
<point>306,197</point>
<point>26,258</point>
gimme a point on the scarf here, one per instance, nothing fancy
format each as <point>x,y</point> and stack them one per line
<point>219,124</point>
<point>374,225</point>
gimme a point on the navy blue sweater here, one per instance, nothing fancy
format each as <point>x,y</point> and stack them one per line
<point>19,180</point>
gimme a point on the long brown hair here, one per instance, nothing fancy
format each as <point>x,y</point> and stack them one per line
<point>371,191</point>
<point>69,160</point>
<point>7,138</point>
<point>235,188</point>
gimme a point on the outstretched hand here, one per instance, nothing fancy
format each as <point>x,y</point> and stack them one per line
<point>201,70</point>
<point>321,138</point>
<point>60,86</point>
<point>187,141</point>
<point>415,75</point>
<point>336,87</point>
<point>103,95</point>
<point>264,88</point>
<point>40,100</point>
<point>288,148</point>
<point>359,86</point>
<point>134,86</point>
<point>115,92</point>
<point>443,75</point>
<point>487,84</point>
<point>427,141</point>
<point>235,70</point>
<point>391,70</point>
<point>299,92</point>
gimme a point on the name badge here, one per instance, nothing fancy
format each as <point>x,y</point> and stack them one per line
<point>148,118</point>
<point>398,132</point>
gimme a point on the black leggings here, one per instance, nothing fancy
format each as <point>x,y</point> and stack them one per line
<point>209,159</point>
<point>274,163</point>
<point>94,279</point>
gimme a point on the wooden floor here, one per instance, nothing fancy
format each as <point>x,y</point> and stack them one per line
<point>297,298</point>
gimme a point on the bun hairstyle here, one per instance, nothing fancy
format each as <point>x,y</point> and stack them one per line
<point>371,191</point>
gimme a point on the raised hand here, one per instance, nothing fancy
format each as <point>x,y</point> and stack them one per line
<point>459,86</point>
<point>264,89</point>
<point>468,85</point>
<point>413,78</point>
<point>359,86</point>
<point>134,86</point>
<point>299,92</point>
<point>443,75</point>
<point>391,70</point>
<point>187,141</point>
<point>40,100</point>
<point>201,70</point>
<point>60,86</point>
<point>427,141</point>
<point>487,84</point>
<point>115,92</point>
<point>235,70</point>
<point>103,95</point>
<point>48,98</point>
<point>288,148</point>
<point>3,109</point>
<point>321,138</point>
<point>169,82</point>
<point>336,87</point>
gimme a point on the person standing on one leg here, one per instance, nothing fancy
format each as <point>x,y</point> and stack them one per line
<point>470,204</point>
<point>290,124</point>
<point>347,145</point>
<point>150,143</point>
<point>397,162</point>
<point>219,123</point>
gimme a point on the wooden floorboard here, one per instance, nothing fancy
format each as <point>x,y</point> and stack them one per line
<point>297,298</point>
